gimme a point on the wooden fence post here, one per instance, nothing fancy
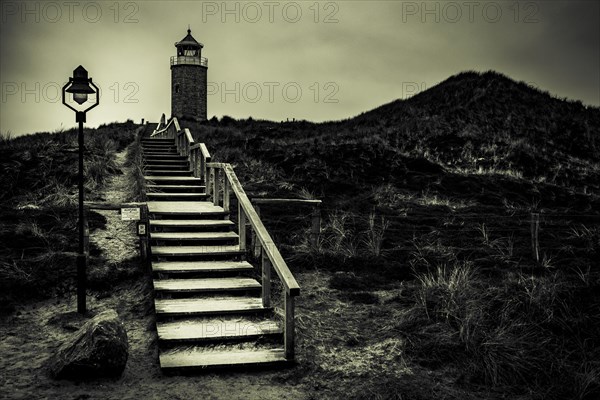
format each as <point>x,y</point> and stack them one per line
<point>535,230</point>
<point>316,225</point>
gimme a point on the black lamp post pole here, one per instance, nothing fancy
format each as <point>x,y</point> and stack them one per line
<point>80,86</point>
<point>81,257</point>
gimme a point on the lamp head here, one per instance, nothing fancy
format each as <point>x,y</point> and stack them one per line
<point>80,85</point>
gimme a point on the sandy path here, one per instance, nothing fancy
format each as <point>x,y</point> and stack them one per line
<point>118,239</point>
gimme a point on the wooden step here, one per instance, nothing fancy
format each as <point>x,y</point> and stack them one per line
<point>170,146</point>
<point>217,328</point>
<point>182,267</point>
<point>209,306</point>
<point>155,157</point>
<point>199,357</point>
<point>171,180</point>
<point>157,140</point>
<point>188,251</point>
<point>169,172</point>
<point>169,149</point>
<point>167,162</point>
<point>193,236</point>
<point>161,150</point>
<point>191,223</point>
<point>176,167</point>
<point>184,207</point>
<point>178,196</point>
<point>149,154</point>
<point>182,179</point>
<point>206,285</point>
<point>171,188</point>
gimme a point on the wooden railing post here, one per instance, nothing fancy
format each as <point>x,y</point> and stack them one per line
<point>289,326</point>
<point>211,173</point>
<point>242,227</point>
<point>195,158</point>
<point>202,170</point>
<point>192,161</point>
<point>226,198</point>
<point>205,157</point>
<point>216,186</point>
<point>266,279</point>
<point>255,241</point>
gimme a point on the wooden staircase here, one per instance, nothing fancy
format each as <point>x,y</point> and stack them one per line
<point>211,309</point>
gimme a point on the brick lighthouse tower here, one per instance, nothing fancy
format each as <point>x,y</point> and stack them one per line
<point>188,80</point>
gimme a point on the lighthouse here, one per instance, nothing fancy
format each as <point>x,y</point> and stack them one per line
<point>188,80</point>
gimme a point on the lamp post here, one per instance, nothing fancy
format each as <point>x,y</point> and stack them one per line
<point>79,87</point>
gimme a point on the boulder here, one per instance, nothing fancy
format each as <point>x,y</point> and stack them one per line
<point>98,350</point>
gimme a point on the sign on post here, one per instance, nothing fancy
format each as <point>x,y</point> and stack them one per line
<point>130,214</point>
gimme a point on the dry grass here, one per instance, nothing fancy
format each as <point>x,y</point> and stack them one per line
<point>135,172</point>
<point>516,332</point>
<point>38,209</point>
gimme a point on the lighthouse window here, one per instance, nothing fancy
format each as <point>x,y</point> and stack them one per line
<point>176,88</point>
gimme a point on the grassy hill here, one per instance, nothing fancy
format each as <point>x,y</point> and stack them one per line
<point>467,129</point>
<point>425,244</point>
<point>435,194</point>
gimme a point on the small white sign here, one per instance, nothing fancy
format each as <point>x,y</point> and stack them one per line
<point>130,214</point>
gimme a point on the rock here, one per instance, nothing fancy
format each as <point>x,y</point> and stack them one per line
<point>99,349</point>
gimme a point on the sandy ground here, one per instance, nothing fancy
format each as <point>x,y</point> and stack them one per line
<point>30,336</point>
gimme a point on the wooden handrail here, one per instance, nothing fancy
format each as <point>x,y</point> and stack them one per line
<point>172,128</point>
<point>280,266</point>
<point>158,130</point>
<point>188,135</point>
<point>204,150</point>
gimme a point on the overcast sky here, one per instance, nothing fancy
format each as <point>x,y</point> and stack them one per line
<point>275,60</point>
